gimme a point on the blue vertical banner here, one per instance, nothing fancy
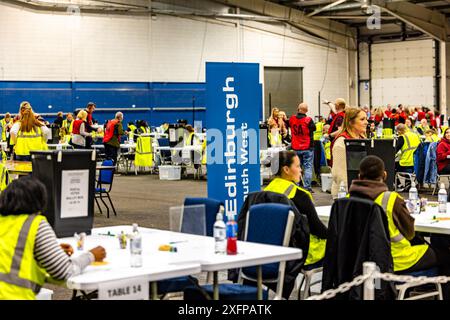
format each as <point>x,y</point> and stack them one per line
<point>233,103</point>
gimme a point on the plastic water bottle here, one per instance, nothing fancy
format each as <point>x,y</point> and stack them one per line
<point>136,247</point>
<point>442,199</point>
<point>220,235</point>
<point>231,235</point>
<point>414,197</point>
<point>342,191</point>
<point>380,130</point>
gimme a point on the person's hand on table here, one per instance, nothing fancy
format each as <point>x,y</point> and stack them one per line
<point>67,248</point>
<point>99,253</point>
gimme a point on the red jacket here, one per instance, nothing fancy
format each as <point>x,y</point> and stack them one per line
<point>338,119</point>
<point>442,151</point>
<point>76,126</point>
<point>302,131</point>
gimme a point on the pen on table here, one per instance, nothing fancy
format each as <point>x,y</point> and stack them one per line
<point>106,234</point>
<point>173,242</point>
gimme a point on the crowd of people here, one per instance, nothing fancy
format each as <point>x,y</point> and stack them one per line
<point>321,142</point>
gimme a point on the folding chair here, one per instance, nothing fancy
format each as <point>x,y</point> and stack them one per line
<point>104,186</point>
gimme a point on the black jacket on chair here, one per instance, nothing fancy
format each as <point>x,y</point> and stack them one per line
<point>299,236</point>
<point>357,232</point>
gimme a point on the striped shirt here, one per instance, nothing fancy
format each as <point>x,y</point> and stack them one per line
<point>50,256</point>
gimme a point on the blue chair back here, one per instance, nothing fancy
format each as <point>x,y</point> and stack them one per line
<point>266,223</point>
<point>163,142</point>
<point>106,175</point>
<point>212,206</point>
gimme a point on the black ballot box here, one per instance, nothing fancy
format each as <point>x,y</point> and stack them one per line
<point>357,149</point>
<point>69,177</point>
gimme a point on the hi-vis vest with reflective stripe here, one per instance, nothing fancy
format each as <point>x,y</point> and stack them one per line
<point>68,125</point>
<point>411,143</point>
<point>319,131</point>
<point>144,154</point>
<point>20,275</point>
<point>403,253</point>
<point>327,146</point>
<point>29,141</point>
<point>316,250</point>
<point>4,124</point>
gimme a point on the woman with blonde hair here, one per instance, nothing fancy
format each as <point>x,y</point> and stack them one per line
<point>276,119</point>
<point>354,127</point>
<point>28,133</point>
<point>79,131</point>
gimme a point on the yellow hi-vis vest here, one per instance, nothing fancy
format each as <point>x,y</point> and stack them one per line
<point>131,133</point>
<point>29,141</point>
<point>388,133</point>
<point>403,253</point>
<point>319,131</point>
<point>145,129</point>
<point>411,143</point>
<point>4,180</point>
<point>327,146</point>
<point>67,125</point>
<point>20,275</point>
<point>144,154</point>
<point>275,140</point>
<point>316,250</point>
<point>4,124</point>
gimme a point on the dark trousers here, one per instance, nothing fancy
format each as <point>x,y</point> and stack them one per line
<point>399,168</point>
<point>446,170</point>
<point>111,152</point>
<point>22,158</point>
<point>437,255</point>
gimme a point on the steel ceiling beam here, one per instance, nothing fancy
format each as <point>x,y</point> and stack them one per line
<point>333,31</point>
<point>325,8</point>
<point>428,21</point>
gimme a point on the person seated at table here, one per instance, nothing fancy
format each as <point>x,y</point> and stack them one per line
<point>28,134</point>
<point>286,182</point>
<point>79,131</point>
<point>431,135</point>
<point>407,143</point>
<point>443,153</point>
<point>29,249</point>
<point>408,255</point>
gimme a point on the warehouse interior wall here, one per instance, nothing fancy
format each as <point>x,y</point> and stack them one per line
<point>402,72</point>
<point>44,50</point>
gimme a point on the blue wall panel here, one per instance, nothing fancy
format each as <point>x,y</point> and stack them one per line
<point>116,96</point>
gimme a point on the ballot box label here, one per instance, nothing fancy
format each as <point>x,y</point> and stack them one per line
<point>124,290</point>
<point>74,193</point>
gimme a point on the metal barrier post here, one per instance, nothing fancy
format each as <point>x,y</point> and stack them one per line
<point>369,283</point>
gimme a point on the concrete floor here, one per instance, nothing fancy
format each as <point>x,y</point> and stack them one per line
<point>146,200</point>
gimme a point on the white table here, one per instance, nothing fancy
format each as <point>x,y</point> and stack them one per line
<point>118,267</point>
<point>424,221</point>
<point>59,146</point>
<point>184,148</point>
<point>192,250</point>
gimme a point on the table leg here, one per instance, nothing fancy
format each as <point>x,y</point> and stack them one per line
<point>259,275</point>
<point>154,289</point>
<point>216,285</point>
